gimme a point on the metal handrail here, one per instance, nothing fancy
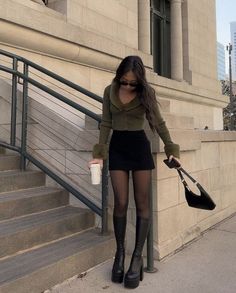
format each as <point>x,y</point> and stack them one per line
<point>102,212</point>
<point>52,92</point>
<point>53,75</point>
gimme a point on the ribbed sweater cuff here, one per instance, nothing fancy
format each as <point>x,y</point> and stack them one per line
<point>172,149</point>
<point>100,151</point>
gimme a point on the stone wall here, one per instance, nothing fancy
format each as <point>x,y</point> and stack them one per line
<point>213,165</point>
<point>199,41</point>
<point>88,52</point>
<point>114,19</point>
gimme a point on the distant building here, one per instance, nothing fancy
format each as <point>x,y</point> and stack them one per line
<point>226,85</point>
<point>220,61</point>
<point>233,42</point>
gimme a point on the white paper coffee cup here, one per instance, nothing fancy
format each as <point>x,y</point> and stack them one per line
<point>95,170</point>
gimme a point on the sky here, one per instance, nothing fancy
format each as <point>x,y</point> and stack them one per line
<point>225,13</point>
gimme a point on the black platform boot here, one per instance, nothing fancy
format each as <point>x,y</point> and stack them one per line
<point>118,266</point>
<point>135,272</point>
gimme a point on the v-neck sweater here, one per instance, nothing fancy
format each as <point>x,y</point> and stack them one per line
<point>130,117</point>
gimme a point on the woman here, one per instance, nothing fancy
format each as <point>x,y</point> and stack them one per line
<point>127,101</point>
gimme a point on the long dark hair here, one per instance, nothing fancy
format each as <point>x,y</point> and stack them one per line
<point>145,92</point>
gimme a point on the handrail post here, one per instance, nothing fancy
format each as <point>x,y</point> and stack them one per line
<point>150,258</point>
<point>24,119</point>
<point>13,105</point>
<point>105,198</point>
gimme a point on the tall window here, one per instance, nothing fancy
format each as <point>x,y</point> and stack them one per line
<point>160,36</point>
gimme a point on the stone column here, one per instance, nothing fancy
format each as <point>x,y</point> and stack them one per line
<point>176,41</point>
<point>144,37</point>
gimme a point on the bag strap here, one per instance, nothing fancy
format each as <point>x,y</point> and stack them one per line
<point>183,180</point>
<point>187,174</point>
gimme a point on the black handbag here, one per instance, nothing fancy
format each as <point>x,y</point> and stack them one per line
<point>202,201</point>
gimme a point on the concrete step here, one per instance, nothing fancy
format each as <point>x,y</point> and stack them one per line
<point>40,269</point>
<point>174,121</point>
<point>181,130</point>
<point>2,150</point>
<point>25,232</point>
<point>91,124</point>
<point>9,162</point>
<point>15,179</point>
<point>88,137</point>
<point>164,105</point>
<point>187,139</point>
<point>32,200</point>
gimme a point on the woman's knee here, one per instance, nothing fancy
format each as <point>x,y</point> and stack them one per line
<point>142,202</point>
<point>121,205</point>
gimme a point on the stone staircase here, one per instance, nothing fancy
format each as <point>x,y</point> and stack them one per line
<point>80,138</point>
<point>43,240</point>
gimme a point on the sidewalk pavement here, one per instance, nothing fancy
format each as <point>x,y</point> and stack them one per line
<point>207,265</point>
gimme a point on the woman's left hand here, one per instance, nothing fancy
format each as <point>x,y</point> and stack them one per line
<point>172,157</point>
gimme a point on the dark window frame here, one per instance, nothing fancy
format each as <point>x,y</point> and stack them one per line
<point>160,36</point>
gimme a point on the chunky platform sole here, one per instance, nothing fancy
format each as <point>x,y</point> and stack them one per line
<point>134,282</point>
<point>117,278</point>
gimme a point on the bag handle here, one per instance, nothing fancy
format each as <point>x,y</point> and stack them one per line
<point>187,174</point>
<point>180,170</point>
<point>175,164</point>
<point>182,179</point>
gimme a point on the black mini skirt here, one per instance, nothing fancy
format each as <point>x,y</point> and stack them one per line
<point>130,150</point>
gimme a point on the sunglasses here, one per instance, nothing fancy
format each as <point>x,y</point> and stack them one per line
<point>125,83</point>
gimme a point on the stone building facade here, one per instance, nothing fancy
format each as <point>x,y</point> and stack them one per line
<point>84,41</point>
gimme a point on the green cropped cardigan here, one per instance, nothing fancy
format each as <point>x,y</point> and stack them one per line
<point>129,116</point>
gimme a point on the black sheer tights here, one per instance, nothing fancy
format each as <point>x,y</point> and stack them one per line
<point>141,184</point>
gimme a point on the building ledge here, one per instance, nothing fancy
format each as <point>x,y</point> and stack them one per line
<point>45,21</point>
<point>217,135</point>
<point>42,30</point>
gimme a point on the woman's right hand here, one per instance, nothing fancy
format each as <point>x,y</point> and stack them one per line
<point>96,161</point>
